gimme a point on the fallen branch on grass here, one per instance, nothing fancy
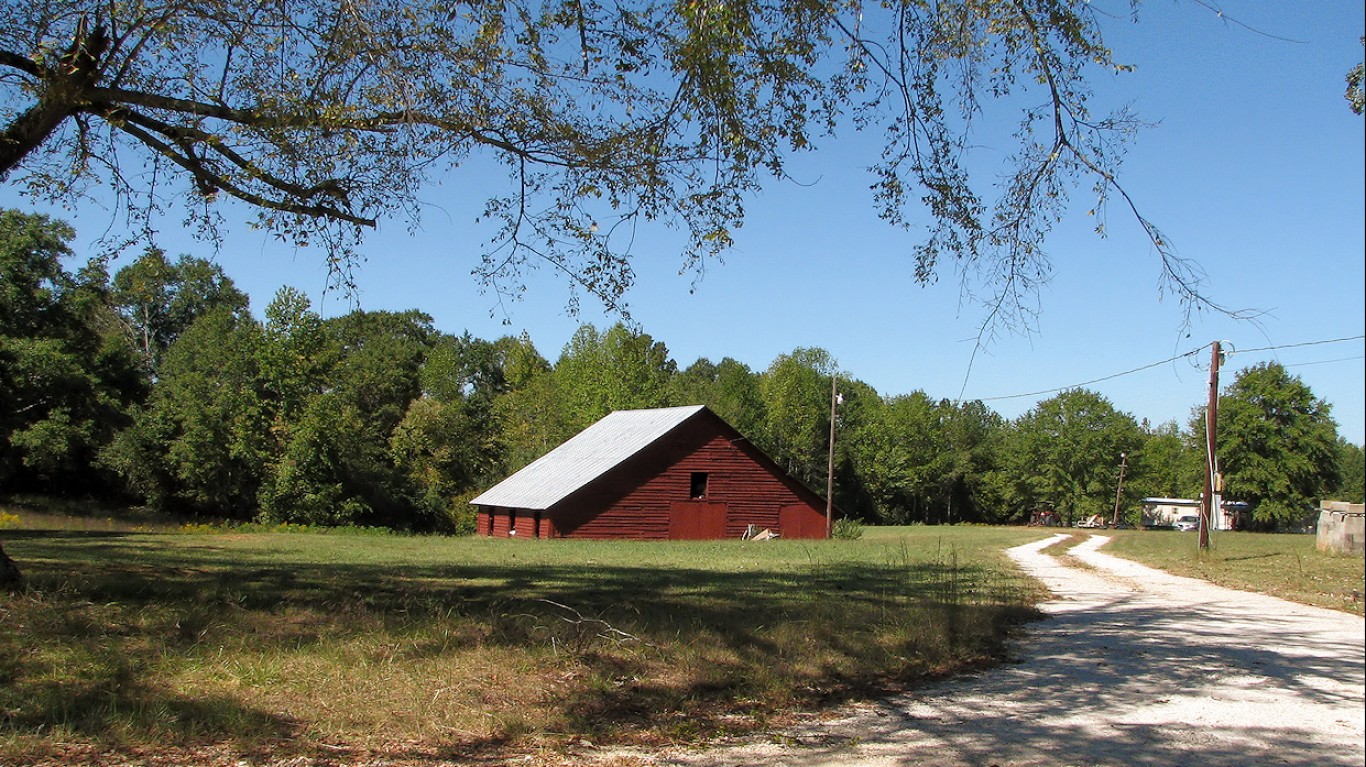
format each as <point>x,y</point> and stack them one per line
<point>587,628</point>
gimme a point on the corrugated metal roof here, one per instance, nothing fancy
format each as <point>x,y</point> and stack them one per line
<point>585,457</point>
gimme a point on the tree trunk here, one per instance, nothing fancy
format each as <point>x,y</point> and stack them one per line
<point>10,577</point>
<point>62,93</point>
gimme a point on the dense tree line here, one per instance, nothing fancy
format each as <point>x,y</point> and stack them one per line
<point>159,384</point>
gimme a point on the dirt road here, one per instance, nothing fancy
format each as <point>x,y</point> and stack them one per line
<point>1133,667</point>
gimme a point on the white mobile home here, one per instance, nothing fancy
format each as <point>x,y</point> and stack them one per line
<point>1164,512</point>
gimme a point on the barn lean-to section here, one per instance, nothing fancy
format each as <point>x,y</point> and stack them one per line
<point>657,474</point>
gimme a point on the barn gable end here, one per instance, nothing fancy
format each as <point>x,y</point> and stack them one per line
<point>696,478</point>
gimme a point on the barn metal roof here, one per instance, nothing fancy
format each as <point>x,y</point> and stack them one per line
<point>585,457</point>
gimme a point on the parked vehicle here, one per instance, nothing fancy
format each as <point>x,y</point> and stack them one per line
<point>1187,522</point>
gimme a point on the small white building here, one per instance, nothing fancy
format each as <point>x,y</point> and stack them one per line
<point>1342,527</point>
<point>1164,512</point>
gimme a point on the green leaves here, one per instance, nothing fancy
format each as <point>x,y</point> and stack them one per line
<point>1067,451</point>
<point>324,118</point>
<point>64,384</point>
<point>796,392</point>
<point>376,418</point>
<point>1277,444</point>
<point>925,461</point>
<point>159,300</point>
<point>619,369</point>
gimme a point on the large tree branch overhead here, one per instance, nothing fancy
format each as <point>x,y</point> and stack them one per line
<point>327,116</point>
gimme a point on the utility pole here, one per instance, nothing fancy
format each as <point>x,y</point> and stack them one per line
<point>1207,499</point>
<point>1119,489</point>
<point>830,466</point>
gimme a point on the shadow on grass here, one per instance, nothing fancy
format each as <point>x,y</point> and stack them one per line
<point>1246,557</point>
<point>111,698</point>
<point>703,644</point>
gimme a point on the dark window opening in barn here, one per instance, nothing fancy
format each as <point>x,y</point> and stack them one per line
<point>512,523</point>
<point>699,485</point>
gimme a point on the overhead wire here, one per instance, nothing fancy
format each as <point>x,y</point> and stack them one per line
<point>1304,343</point>
<point>1181,356</point>
<point>1097,380</point>
<point>1324,362</point>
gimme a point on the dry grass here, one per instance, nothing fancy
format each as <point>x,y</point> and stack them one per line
<point>128,639</point>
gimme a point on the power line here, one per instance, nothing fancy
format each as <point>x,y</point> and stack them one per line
<point>1295,346</point>
<point>1219,12</point>
<point>1323,362</point>
<point>1184,355</point>
<point>1097,380</point>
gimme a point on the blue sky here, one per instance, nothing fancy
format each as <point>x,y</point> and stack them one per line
<point>1253,168</point>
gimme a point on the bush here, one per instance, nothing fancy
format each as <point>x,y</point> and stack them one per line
<point>281,528</point>
<point>847,529</point>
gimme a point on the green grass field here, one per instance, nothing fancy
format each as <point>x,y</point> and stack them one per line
<point>149,635</point>
<point>127,639</point>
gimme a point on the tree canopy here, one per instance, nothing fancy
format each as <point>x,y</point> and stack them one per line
<point>1067,450</point>
<point>1278,444</point>
<point>66,376</point>
<point>160,299</point>
<point>379,418</point>
<point>325,117</point>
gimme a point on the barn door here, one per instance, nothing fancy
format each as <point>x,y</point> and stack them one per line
<point>801,521</point>
<point>696,521</point>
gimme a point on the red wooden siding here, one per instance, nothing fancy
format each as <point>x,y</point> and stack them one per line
<point>801,521</point>
<point>635,499</point>
<point>651,495</point>
<point>696,520</point>
<point>498,523</point>
<point>498,528</point>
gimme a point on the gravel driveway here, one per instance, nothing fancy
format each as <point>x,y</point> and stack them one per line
<point>1133,667</point>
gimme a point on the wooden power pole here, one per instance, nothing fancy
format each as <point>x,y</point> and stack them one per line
<point>1208,498</point>
<point>1119,488</point>
<point>830,466</point>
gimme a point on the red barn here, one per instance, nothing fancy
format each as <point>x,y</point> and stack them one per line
<point>665,473</point>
